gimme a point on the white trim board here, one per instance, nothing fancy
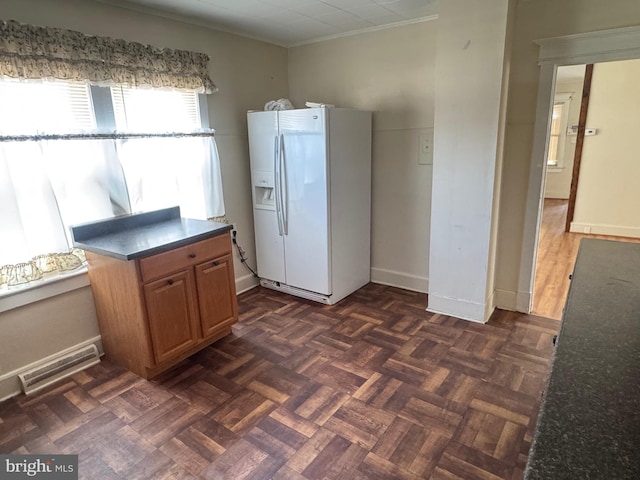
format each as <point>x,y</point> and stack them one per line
<point>512,301</point>
<point>490,306</point>
<point>524,301</point>
<point>593,47</point>
<point>599,229</point>
<point>505,300</point>
<point>246,283</point>
<point>376,28</point>
<point>452,307</point>
<point>403,280</point>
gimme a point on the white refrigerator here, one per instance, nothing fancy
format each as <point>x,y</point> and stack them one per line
<point>311,186</point>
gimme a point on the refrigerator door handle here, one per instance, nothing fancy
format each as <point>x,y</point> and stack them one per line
<point>284,193</point>
<point>276,177</point>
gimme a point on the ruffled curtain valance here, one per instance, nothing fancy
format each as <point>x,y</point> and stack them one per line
<point>32,52</point>
<point>21,273</point>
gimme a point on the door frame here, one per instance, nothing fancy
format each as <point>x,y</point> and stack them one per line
<point>594,47</point>
<point>577,157</point>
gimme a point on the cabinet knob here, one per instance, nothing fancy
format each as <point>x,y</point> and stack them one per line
<point>170,282</point>
<point>215,264</point>
<point>192,255</point>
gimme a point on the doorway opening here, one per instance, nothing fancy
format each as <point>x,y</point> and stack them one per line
<point>556,248</point>
<point>593,47</point>
<point>590,173</point>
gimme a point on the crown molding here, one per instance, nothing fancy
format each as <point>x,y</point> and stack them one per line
<point>351,33</point>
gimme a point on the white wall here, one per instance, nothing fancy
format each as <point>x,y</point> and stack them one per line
<point>608,197</point>
<point>558,181</point>
<point>391,73</point>
<point>535,20</point>
<point>469,95</point>
<point>247,72</point>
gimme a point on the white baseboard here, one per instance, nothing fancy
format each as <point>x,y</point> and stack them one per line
<point>505,299</point>
<point>474,312</point>
<point>407,281</point>
<point>599,229</point>
<point>10,383</point>
<point>523,302</point>
<point>246,282</point>
<point>490,306</point>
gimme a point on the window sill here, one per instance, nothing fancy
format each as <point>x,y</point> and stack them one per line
<point>50,286</point>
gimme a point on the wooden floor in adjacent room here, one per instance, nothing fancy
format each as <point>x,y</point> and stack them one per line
<point>372,388</point>
<point>557,251</point>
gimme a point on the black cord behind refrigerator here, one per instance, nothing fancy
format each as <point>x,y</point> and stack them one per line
<point>241,252</point>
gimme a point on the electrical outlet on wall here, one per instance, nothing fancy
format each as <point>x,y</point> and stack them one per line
<point>425,149</point>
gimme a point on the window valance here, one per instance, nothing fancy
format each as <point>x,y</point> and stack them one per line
<point>32,52</point>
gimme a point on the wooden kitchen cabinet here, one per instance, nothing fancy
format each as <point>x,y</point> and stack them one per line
<point>156,311</point>
<point>217,299</point>
<point>173,322</point>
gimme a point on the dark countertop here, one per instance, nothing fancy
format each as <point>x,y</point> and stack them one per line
<point>129,237</point>
<point>589,422</point>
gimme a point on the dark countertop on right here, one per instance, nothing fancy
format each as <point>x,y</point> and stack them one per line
<point>589,422</point>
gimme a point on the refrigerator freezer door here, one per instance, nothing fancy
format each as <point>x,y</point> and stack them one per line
<point>263,130</point>
<point>306,197</point>
<point>263,140</point>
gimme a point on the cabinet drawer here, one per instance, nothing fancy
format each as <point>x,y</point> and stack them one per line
<point>179,258</point>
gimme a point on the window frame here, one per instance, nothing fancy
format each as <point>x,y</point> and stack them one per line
<point>563,99</point>
<point>102,110</point>
<point>105,115</point>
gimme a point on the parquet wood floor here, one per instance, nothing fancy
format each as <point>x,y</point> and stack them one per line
<point>372,388</point>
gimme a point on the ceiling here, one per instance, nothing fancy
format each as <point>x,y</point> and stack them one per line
<point>289,22</point>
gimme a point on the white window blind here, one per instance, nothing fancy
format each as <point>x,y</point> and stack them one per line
<point>30,107</point>
<point>152,111</point>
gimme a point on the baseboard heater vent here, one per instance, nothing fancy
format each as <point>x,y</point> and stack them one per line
<point>46,374</point>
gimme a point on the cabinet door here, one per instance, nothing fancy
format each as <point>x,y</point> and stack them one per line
<point>173,320</point>
<point>216,295</point>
